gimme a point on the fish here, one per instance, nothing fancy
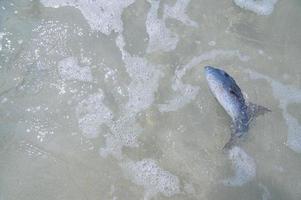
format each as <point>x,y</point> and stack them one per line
<point>229,95</point>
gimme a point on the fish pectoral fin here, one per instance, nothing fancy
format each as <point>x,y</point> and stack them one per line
<point>255,110</point>
<point>235,90</point>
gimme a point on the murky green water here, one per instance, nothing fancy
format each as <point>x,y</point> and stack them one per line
<point>108,99</point>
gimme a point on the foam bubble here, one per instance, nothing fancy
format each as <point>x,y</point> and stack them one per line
<point>160,37</point>
<point>154,179</point>
<point>261,7</point>
<point>102,15</point>
<point>69,69</point>
<point>178,11</point>
<point>244,166</point>
<point>91,114</point>
<point>286,94</point>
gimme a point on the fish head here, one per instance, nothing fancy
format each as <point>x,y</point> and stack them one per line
<point>226,91</point>
<point>219,78</point>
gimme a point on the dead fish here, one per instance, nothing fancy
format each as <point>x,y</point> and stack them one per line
<point>229,95</point>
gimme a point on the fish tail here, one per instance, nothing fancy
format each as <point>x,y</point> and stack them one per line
<point>255,110</point>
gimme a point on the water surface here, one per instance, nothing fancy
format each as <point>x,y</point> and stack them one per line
<point>108,99</point>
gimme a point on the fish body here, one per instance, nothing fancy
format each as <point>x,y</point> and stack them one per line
<point>229,95</point>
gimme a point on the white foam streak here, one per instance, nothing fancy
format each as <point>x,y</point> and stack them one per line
<point>244,166</point>
<point>154,179</point>
<point>91,114</point>
<point>160,38</point>
<point>185,94</point>
<point>266,195</point>
<point>211,55</point>
<point>260,7</point>
<point>102,15</point>
<point>286,94</point>
<point>144,83</point>
<point>124,133</point>
<point>178,12</point>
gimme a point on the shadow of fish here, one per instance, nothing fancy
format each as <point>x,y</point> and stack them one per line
<point>229,95</point>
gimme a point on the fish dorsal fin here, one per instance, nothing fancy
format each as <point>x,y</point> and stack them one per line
<point>255,110</point>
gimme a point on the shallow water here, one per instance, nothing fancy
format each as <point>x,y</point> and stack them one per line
<point>108,99</point>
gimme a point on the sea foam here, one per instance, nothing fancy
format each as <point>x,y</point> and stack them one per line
<point>154,179</point>
<point>244,166</point>
<point>260,7</point>
<point>178,12</point>
<point>160,37</point>
<point>286,94</point>
<point>92,113</point>
<point>69,69</point>
<point>101,15</point>
<point>144,83</point>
